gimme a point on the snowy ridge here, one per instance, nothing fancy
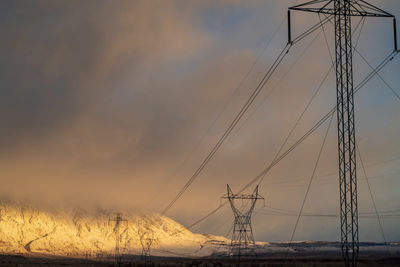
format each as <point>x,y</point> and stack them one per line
<point>27,230</point>
<point>83,233</point>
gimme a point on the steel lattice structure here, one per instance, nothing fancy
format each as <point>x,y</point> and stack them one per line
<point>242,243</point>
<point>146,236</point>
<point>342,11</point>
<point>118,220</point>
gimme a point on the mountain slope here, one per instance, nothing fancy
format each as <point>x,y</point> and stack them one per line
<point>24,229</point>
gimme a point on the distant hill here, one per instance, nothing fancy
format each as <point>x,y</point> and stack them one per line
<point>82,233</point>
<point>91,234</point>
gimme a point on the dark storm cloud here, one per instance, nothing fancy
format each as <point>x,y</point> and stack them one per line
<point>40,65</point>
<point>90,87</point>
<point>60,59</point>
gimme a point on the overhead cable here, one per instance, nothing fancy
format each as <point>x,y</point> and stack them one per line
<point>379,67</point>
<point>242,111</point>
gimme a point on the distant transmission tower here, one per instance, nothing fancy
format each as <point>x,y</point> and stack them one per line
<point>118,221</point>
<point>242,243</point>
<point>341,12</point>
<point>146,240</point>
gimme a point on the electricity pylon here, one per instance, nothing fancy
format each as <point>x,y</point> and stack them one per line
<point>118,220</point>
<point>242,243</point>
<point>342,11</point>
<point>146,240</point>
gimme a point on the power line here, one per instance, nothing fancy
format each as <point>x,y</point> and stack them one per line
<point>327,18</point>
<point>226,104</point>
<point>379,67</point>
<point>299,119</point>
<point>305,109</point>
<point>287,180</point>
<point>242,111</point>
<point>292,212</point>
<point>366,61</point>
<point>311,179</point>
<point>290,183</point>
<point>396,216</point>
<point>372,196</point>
<point>379,76</point>
<point>322,22</point>
<point>326,41</point>
<point>276,86</point>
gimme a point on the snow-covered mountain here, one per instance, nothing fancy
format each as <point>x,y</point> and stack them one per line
<point>91,233</point>
<point>24,229</point>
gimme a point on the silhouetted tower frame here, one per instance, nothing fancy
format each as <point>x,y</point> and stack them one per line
<point>118,221</point>
<point>146,240</point>
<point>342,11</point>
<point>242,243</point>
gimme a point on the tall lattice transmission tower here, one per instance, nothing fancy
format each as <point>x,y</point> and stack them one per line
<point>242,205</point>
<point>341,12</point>
<point>146,235</point>
<point>117,218</point>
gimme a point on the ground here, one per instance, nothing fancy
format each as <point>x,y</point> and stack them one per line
<point>298,261</point>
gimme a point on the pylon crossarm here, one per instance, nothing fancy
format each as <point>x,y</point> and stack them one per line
<point>365,4</point>
<point>241,196</point>
<point>358,8</point>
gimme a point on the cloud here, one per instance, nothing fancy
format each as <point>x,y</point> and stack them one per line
<point>103,102</point>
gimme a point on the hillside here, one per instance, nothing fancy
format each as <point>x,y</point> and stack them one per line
<point>26,230</point>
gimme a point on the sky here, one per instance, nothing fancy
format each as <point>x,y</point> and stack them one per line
<point>116,104</point>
